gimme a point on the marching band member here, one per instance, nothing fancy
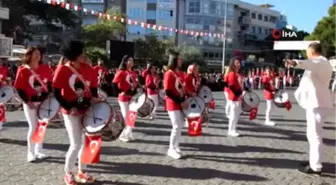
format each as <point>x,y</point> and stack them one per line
<point>234,95</point>
<point>4,74</point>
<point>101,71</point>
<point>152,88</point>
<point>227,106</point>
<point>269,91</point>
<point>146,71</point>
<point>192,81</point>
<point>125,80</point>
<point>75,88</point>
<point>174,102</point>
<point>31,90</point>
<point>251,79</point>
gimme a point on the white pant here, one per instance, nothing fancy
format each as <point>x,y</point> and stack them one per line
<point>31,116</point>
<point>124,108</point>
<point>268,110</point>
<point>315,120</point>
<point>251,82</point>
<point>73,125</point>
<point>333,87</point>
<point>177,120</point>
<point>227,106</point>
<point>155,99</point>
<point>235,110</point>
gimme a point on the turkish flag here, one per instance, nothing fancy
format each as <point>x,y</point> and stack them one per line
<point>91,151</point>
<point>253,113</point>
<point>2,113</point>
<point>39,133</point>
<point>288,105</point>
<point>212,104</point>
<point>131,118</point>
<point>194,126</point>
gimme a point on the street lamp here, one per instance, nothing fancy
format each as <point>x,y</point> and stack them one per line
<point>224,41</point>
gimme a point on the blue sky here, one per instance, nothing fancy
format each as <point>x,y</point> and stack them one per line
<point>304,14</point>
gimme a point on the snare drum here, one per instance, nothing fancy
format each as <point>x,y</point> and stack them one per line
<point>250,101</point>
<point>97,117</point>
<point>6,93</point>
<point>114,128</point>
<point>48,109</point>
<point>206,94</point>
<point>196,107</point>
<point>142,104</point>
<point>280,99</point>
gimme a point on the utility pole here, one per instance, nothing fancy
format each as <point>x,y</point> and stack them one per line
<point>224,41</point>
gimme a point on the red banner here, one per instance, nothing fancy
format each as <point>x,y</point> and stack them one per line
<point>91,151</point>
<point>194,126</point>
<point>288,105</point>
<point>2,113</point>
<point>253,113</point>
<point>39,133</point>
<point>131,118</point>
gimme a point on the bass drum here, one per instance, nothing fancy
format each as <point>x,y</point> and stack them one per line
<point>250,100</point>
<point>196,107</point>
<point>114,128</point>
<point>281,98</point>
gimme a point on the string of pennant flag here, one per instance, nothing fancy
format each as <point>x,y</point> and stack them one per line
<point>70,6</point>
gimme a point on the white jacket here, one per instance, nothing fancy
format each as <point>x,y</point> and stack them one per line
<point>313,90</point>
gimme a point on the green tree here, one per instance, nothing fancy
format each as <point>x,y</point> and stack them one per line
<point>22,11</point>
<point>95,53</point>
<point>325,32</point>
<point>190,54</point>
<point>96,35</point>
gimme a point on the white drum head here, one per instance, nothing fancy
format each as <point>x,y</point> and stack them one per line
<point>206,94</point>
<point>102,93</point>
<point>137,101</point>
<point>97,117</point>
<point>6,93</point>
<point>196,106</point>
<point>251,99</point>
<point>48,109</point>
<point>281,97</point>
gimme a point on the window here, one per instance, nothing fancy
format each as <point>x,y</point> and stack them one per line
<point>205,7</point>
<point>218,9</point>
<point>211,55</point>
<point>164,14</point>
<point>194,7</point>
<point>193,20</point>
<point>273,19</point>
<point>216,55</point>
<point>242,13</point>
<point>206,27</point>
<point>253,15</point>
<point>230,10</point>
<point>253,30</point>
<point>205,54</point>
<point>266,31</point>
<point>270,30</point>
<point>259,17</point>
<point>213,7</point>
<point>151,1</point>
<point>151,14</point>
<point>135,13</point>
<point>266,18</point>
<point>260,30</point>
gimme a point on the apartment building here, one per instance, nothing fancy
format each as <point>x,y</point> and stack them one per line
<point>4,15</point>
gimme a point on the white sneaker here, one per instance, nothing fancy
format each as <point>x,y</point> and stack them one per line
<point>269,123</point>
<point>178,150</point>
<point>31,157</point>
<point>173,154</point>
<point>124,138</point>
<point>131,137</point>
<point>233,134</point>
<point>186,124</point>
<point>40,155</point>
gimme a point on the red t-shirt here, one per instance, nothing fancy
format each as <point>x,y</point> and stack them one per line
<point>190,84</point>
<point>225,80</point>
<point>233,80</point>
<point>4,72</point>
<point>144,73</point>
<point>269,80</point>
<point>125,80</point>
<point>70,84</point>
<point>173,83</point>
<point>46,72</point>
<point>181,75</point>
<point>26,81</point>
<point>99,70</point>
<point>152,80</point>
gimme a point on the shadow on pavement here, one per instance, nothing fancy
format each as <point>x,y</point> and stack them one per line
<point>166,133</point>
<point>156,170</point>
<point>98,182</point>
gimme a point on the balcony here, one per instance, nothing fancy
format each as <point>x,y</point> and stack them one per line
<point>244,20</point>
<point>4,13</point>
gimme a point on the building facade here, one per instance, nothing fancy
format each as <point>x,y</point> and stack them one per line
<point>4,15</point>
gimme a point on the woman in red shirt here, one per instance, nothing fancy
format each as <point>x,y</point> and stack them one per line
<point>125,80</point>
<point>234,90</point>
<point>227,106</point>
<point>269,90</point>
<point>152,85</point>
<point>32,90</point>
<point>192,81</point>
<point>75,88</point>
<point>174,102</point>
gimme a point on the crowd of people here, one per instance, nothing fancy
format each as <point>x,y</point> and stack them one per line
<point>75,85</point>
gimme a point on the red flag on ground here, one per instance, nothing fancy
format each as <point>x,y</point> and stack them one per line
<point>288,105</point>
<point>253,113</point>
<point>39,133</point>
<point>131,118</point>
<point>91,151</point>
<point>212,104</point>
<point>194,126</point>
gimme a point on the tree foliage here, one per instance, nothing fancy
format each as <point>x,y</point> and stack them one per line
<point>190,54</point>
<point>22,11</point>
<point>96,35</point>
<point>325,32</point>
<point>95,53</point>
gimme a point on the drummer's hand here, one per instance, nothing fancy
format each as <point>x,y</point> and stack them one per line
<point>31,105</point>
<point>290,63</point>
<point>95,100</point>
<point>184,104</point>
<point>73,111</point>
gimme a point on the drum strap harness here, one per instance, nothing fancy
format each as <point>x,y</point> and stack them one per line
<point>37,77</point>
<point>73,70</point>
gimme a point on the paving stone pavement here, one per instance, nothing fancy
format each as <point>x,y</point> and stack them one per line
<point>262,155</point>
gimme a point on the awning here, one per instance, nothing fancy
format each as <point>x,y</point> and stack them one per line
<point>19,51</point>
